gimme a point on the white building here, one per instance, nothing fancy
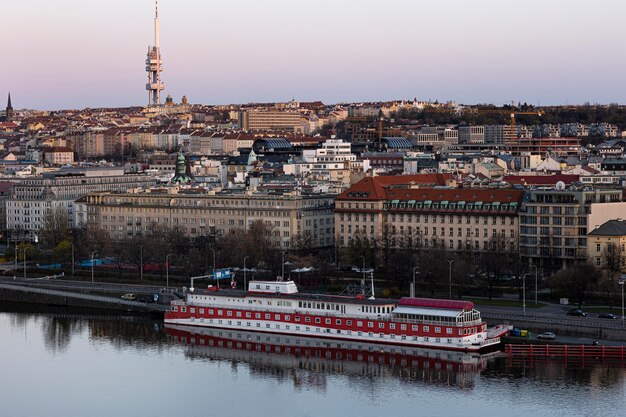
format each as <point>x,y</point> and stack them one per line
<point>31,198</point>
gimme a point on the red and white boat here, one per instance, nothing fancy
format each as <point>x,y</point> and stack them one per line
<point>278,307</point>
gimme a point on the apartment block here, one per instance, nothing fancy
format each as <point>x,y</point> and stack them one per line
<point>554,224</point>
<point>269,120</point>
<point>408,207</point>
<point>31,198</point>
<point>288,216</point>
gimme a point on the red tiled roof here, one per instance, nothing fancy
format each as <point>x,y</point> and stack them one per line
<point>431,303</point>
<point>376,186</point>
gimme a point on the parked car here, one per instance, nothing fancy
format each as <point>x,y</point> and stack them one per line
<point>607,316</point>
<point>576,312</point>
<point>129,297</point>
<point>547,335</point>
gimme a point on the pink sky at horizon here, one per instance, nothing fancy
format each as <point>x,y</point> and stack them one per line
<point>73,54</point>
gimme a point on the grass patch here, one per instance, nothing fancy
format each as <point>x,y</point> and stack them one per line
<point>503,303</point>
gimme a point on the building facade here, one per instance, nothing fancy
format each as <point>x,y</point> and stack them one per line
<point>31,198</point>
<point>402,209</point>
<point>554,224</point>
<point>288,216</point>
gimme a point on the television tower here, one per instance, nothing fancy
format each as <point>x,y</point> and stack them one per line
<point>154,66</point>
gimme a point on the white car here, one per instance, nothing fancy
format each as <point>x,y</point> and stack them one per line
<point>547,336</point>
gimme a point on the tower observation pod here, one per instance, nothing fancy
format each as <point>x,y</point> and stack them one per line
<point>154,66</point>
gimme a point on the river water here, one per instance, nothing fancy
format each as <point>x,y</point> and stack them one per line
<point>54,364</point>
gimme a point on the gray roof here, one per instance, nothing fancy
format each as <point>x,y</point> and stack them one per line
<point>611,228</point>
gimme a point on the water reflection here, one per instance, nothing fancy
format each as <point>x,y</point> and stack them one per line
<point>306,361</point>
<point>567,372</point>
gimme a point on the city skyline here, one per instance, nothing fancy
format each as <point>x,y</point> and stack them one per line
<point>74,55</point>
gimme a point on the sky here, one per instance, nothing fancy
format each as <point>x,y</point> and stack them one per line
<point>76,53</point>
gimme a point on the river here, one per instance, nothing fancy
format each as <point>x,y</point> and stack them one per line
<point>58,364</point>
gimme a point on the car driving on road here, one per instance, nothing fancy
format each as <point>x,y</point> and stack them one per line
<point>576,312</point>
<point>547,335</point>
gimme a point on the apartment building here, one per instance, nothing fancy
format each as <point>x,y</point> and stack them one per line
<point>499,134</point>
<point>472,134</point>
<point>554,223</point>
<point>31,198</point>
<point>259,119</point>
<point>288,215</point>
<point>605,239</point>
<point>408,207</point>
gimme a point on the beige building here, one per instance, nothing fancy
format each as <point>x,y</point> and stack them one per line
<point>288,216</point>
<point>606,238</point>
<point>453,218</point>
<point>554,224</point>
<point>269,120</point>
<point>59,156</point>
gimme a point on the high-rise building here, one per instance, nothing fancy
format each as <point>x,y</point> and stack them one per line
<point>154,66</point>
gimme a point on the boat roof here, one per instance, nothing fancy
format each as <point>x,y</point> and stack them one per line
<point>299,296</point>
<point>432,303</point>
<point>424,311</point>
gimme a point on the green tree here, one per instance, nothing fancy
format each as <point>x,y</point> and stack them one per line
<point>577,281</point>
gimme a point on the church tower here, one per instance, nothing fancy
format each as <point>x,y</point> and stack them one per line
<point>9,111</point>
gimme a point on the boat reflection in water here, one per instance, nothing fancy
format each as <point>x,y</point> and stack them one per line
<point>284,355</point>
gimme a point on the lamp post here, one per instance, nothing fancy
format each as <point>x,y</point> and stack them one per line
<point>450,278</point>
<point>15,269</point>
<point>92,255</point>
<point>413,289</point>
<point>622,282</point>
<point>283,266</point>
<point>24,250</point>
<point>524,293</point>
<point>536,286</point>
<point>216,280</point>
<point>363,270</point>
<point>244,273</point>
<point>141,262</point>
<point>167,270</point>
<point>72,243</point>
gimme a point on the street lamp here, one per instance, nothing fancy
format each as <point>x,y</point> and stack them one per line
<point>216,280</point>
<point>24,250</point>
<point>167,270</point>
<point>141,262</point>
<point>524,293</point>
<point>244,273</point>
<point>536,286</point>
<point>363,269</point>
<point>283,266</point>
<point>92,255</point>
<point>72,243</point>
<point>413,288</point>
<point>450,278</point>
<point>622,281</point>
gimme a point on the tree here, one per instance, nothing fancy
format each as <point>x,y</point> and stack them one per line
<point>55,227</point>
<point>62,252</point>
<point>497,261</point>
<point>613,261</point>
<point>577,281</point>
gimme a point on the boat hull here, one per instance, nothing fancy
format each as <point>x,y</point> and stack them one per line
<point>487,345</point>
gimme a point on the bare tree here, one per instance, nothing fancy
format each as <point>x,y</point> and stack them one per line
<point>577,281</point>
